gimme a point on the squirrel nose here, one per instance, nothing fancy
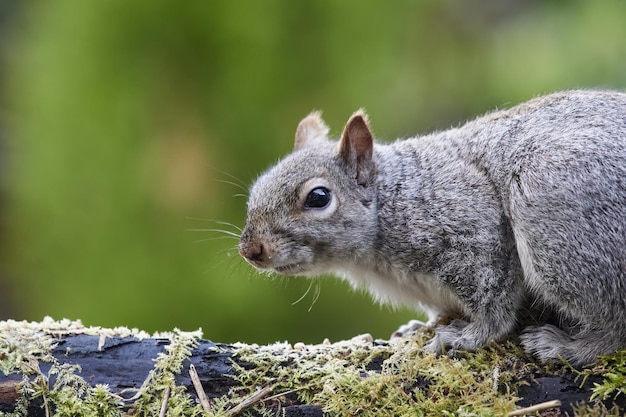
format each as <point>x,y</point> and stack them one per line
<point>255,252</point>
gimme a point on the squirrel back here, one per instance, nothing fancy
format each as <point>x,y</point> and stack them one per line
<point>520,204</point>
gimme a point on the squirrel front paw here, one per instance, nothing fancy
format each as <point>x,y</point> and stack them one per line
<point>450,337</point>
<point>408,329</point>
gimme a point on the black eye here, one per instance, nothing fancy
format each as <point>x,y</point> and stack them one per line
<point>318,198</point>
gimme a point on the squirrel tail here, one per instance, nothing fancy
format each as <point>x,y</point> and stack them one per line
<point>582,348</point>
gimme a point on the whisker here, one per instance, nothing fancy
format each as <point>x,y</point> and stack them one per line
<point>226,232</point>
<point>233,265</point>
<point>215,238</point>
<point>228,224</point>
<point>239,180</point>
<point>316,295</point>
<point>233,184</point>
<point>229,251</point>
<point>303,295</point>
<point>200,219</point>
<point>238,183</point>
<point>214,221</point>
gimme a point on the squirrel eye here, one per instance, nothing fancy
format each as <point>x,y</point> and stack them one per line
<point>318,198</point>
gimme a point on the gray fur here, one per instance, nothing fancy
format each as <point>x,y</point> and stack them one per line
<point>521,207</point>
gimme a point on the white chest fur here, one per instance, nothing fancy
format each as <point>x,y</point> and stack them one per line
<point>414,290</point>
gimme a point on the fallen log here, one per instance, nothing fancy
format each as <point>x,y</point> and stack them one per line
<point>64,367</point>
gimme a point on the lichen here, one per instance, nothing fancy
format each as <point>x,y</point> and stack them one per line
<point>354,377</point>
<point>24,345</point>
<point>162,379</point>
<point>408,382</point>
<point>51,327</point>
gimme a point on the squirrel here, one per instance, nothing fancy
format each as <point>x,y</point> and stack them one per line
<point>519,208</point>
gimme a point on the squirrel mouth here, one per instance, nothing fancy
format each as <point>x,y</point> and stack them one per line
<point>289,269</point>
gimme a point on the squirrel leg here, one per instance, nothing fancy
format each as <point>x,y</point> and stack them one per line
<point>463,335</point>
<point>491,305</point>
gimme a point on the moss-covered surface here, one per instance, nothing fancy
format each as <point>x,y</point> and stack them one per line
<point>349,378</point>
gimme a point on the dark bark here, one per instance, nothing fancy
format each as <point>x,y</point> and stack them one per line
<point>124,363</point>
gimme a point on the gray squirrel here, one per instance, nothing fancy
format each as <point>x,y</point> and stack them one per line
<point>519,209</point>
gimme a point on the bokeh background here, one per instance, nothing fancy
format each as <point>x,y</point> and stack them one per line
<point>124,124</point>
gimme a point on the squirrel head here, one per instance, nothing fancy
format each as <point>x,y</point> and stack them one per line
<point>316,209</point>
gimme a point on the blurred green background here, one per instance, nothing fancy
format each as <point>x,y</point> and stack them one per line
<point>125,122</point>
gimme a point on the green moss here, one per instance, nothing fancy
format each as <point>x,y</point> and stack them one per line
<point>613,370</point>
<point>408,383</point>
<point>162,379</point>
<point>355,377</point>
<point>24,345</point>
<point>597,410</point>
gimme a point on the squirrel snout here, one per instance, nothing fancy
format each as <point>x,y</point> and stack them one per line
<point>254,252</point>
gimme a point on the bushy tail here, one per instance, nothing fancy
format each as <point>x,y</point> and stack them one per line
<point>550,342</point>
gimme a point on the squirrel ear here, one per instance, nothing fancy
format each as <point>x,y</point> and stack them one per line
<point>311,130</point>
<point>356,147</point>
